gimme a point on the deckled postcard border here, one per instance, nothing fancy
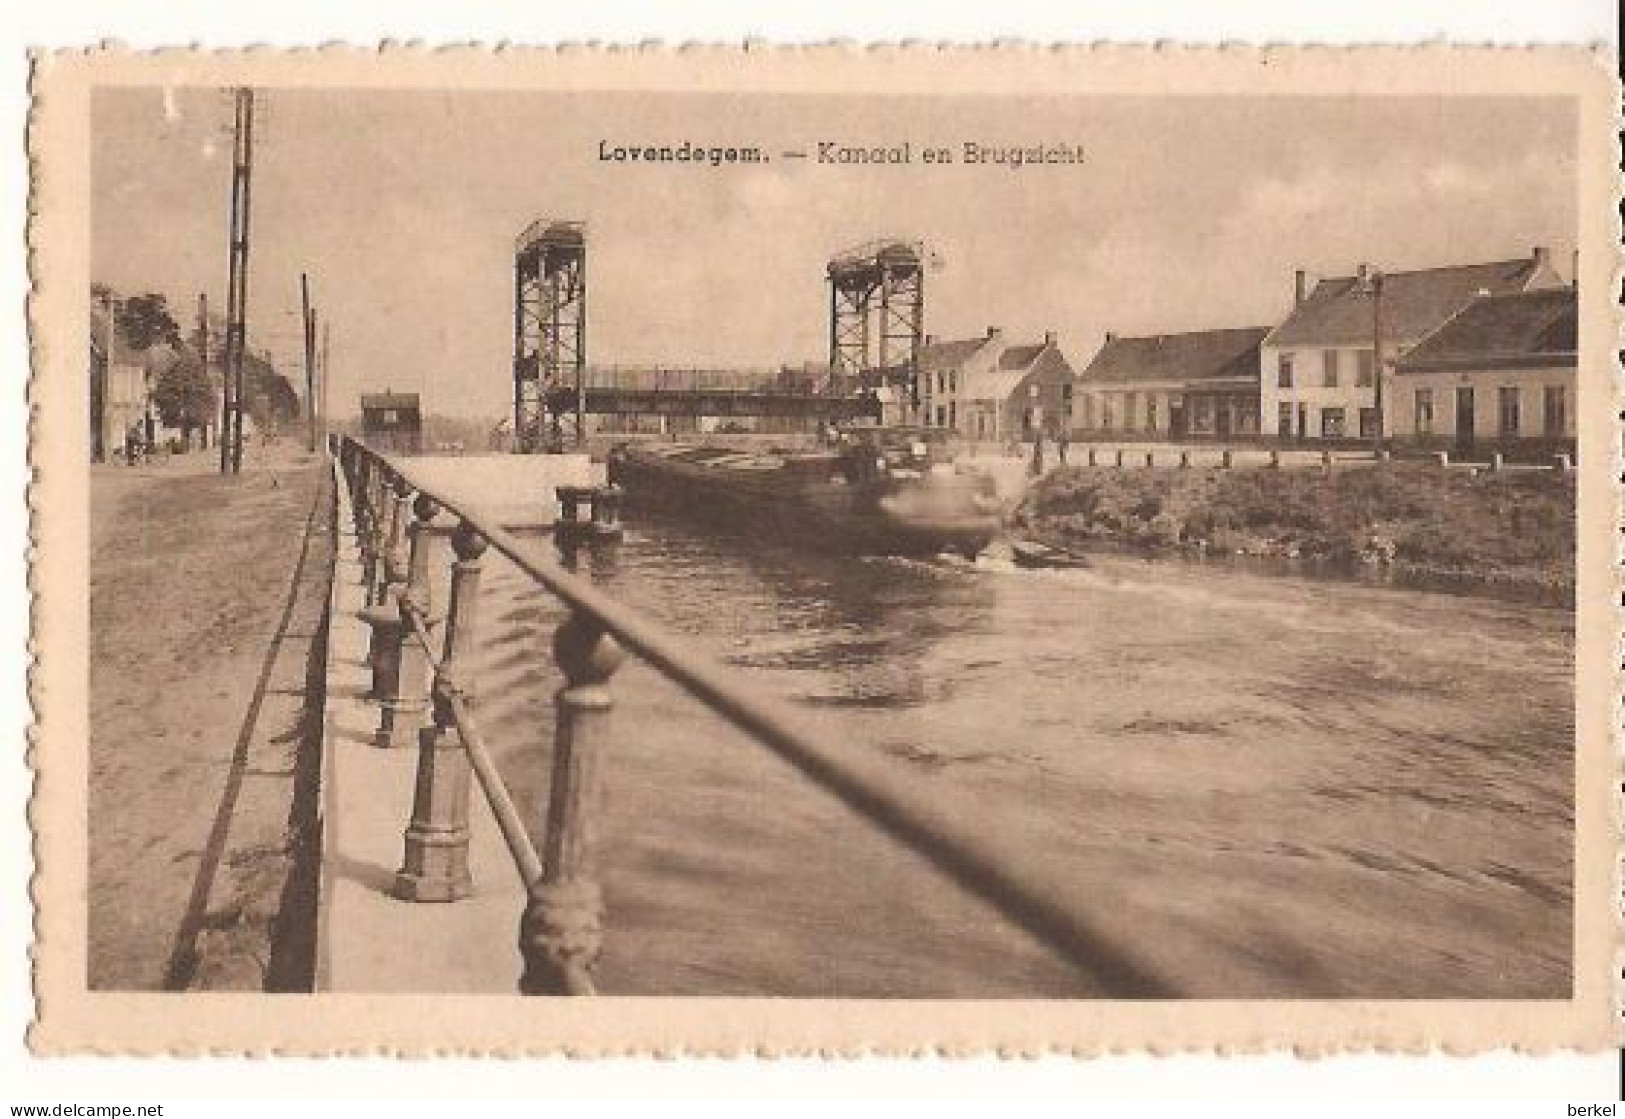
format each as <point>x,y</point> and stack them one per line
<point>71,1020</point>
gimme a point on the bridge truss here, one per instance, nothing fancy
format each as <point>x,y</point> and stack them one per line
<point>550,333</point>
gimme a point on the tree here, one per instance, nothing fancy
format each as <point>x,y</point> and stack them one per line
<point>145,321</point>
<point>183,394</point>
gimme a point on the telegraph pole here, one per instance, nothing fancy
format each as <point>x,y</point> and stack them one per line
<point>309,317</point>
<point>237,287</point>
<point>322,381</point>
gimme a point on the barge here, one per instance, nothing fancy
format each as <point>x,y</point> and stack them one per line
<point>875,493</point>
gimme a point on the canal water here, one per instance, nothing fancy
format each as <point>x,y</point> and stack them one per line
<point>1266,785</point>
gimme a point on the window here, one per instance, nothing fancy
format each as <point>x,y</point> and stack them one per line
<point>953,380</point>
<point>1283,419</point>
<point>1555,411</point>
<point>1201,414</point>
<point>1150,411</point>
<point>1066,401</point>
<point>1283,372</point>
<point>942,415</point>
<point>1365,364</point>
<point>1508,401</point>
<point>1328,368</point>
<point>1332,425</point>
<point>953,415</point>
<point>1424,411</point>
<point>391,416</point>
<point>1107,418</point>
<point>1088,410</point>
<point>1131,401</point>
<point>1368,423</point>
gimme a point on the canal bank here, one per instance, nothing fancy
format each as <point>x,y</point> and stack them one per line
<point>1462,527</point>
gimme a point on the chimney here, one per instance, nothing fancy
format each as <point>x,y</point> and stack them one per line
<point>1541,257</point>
<point>1575,274</point>
<point>1300,280</point>
<point>994,332</point>
<point>1111,336</point>
<point>928,340</point>
<point>1049,338</point>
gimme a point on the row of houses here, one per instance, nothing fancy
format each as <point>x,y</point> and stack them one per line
<point>1458,355</point>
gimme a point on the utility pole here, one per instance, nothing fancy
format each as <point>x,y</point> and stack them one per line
<point>309,318</point>
<point>237,286</point>
<point>322,381</point>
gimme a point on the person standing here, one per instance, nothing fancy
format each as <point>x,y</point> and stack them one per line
<point>1060,445</point>
<point>1038,452</point>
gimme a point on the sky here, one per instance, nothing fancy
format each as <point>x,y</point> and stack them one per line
<point>1183,214</point>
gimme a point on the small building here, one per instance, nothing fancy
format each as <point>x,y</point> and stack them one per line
<point>988,389</point>
<point>392,421</point>
<point>120,393</point>
<point>1320,376</point>
<point>1197,385</point>
<point>1503,372</point>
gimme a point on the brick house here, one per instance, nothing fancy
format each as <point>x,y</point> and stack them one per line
<point>988,389</point>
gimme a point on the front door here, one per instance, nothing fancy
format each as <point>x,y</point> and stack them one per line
<point>1464,417</point>
<point>1176,418</point>
<point>1221,417</point>
<point>1303,421</point>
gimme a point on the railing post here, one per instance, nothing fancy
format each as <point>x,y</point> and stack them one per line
<point>561,933</point>
<point>434,866</point>
<point>384,612</point>
<point>405,697</point>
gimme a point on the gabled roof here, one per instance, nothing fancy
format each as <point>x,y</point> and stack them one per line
<point>1201,355</point>
<point>1535,328</point>
<point>950,355</point>
<point>999,381</point>
<point>1339,310</point>
<point>405,400</point>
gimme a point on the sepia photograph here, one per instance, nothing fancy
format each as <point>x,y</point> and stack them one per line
<point>1006,546</point>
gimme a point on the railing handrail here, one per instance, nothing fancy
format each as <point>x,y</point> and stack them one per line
<point>986,865</point>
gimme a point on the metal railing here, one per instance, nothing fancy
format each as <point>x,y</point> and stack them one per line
<point>423,683</point>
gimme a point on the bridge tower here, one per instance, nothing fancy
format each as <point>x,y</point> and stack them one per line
<point>549,331</point>
<point>877,322</point>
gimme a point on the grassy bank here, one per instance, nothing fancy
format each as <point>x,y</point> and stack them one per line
<point>1510,527</point>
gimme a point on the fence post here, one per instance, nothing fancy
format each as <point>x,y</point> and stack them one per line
<point>561,932</point>
<point>405,698</point>
<point>434,866</point>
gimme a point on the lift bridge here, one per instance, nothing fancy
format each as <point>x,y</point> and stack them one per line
<point>876,323</point>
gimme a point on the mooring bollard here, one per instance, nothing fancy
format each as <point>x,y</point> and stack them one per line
<point>606,512</point>
<point>434,866</point>
<point>1150,459</point>
<point>1184,460</point>
<point>404,697</point>
<point>1275,460</point>
<point>1227,459</point>
<point>1441,459</point>
<point>561,932</point>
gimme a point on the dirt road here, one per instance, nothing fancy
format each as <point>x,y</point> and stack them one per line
<point>207,595</point>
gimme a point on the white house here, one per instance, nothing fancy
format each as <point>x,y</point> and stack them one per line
<point>1320,375</point>
<point>1502,371</point>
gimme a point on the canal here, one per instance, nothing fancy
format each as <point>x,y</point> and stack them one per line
<point>1288,787</point>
